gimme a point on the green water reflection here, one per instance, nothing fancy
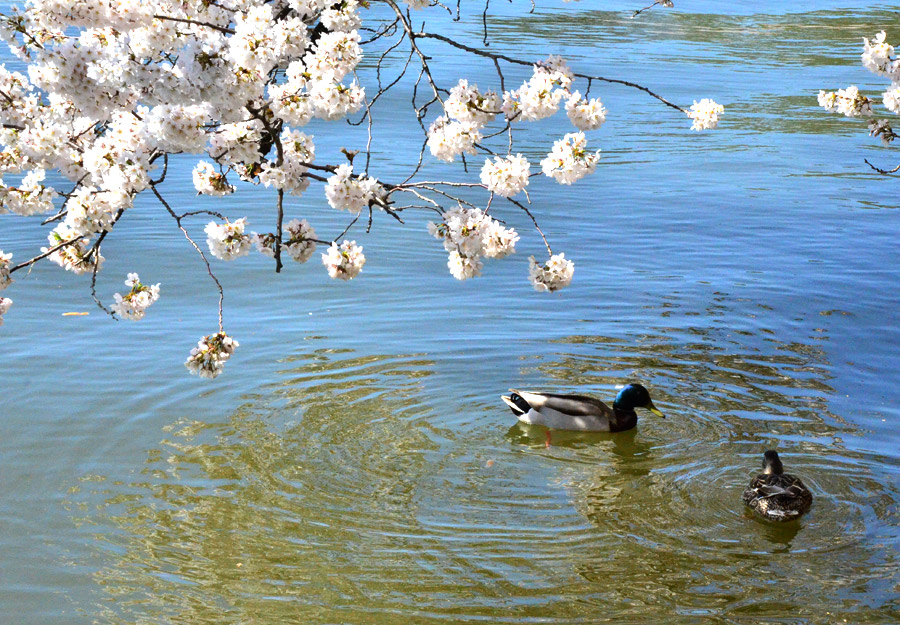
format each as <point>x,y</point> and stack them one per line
<point>335,497</point>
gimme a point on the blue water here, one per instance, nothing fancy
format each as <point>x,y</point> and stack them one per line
<point>355,459</point>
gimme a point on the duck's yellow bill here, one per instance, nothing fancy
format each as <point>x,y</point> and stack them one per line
<point>655,410</point>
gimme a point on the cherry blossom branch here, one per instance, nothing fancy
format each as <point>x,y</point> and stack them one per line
<point>95,249</point>
<point>169,18</point>
<point>286,81</point>
<point>45,254</point>
<point>509,59</point>
<point>62,209</point>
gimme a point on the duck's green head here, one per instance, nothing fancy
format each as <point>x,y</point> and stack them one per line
<point>772,463</point>
<point>635,396</point>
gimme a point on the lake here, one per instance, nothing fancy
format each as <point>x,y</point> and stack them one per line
<point>354,464</point>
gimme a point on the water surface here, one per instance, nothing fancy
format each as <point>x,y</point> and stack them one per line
<point>355,465</point>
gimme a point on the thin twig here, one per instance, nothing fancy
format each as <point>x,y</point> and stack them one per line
<point>534,221</point>
<point>665,3</point>
<point>882,171</point>
<point>509,59</point>
<point>221,29</point>
<point>97,301</point>
<point>199,251</point>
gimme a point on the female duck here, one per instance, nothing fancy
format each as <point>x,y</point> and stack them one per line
<point>775,494</point>
<point>581,413</point>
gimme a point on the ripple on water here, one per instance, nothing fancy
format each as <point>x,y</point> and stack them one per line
<point>337,495</point>
<point>665,498</point>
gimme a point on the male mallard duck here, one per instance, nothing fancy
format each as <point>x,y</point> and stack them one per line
<point>775,494</point>
<point>579,412</point>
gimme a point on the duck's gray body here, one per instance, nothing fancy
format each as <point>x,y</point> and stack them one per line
<point>776,495</point>
<point>568,412</point>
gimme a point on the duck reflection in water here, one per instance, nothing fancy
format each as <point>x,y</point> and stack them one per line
<point>627,453</point>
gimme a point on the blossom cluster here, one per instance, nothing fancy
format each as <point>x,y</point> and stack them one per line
<point>570,160</point>
<point>90,210</point>
<point>849,102</point>
<point>300,242</point>
<point>208,359</point>
<point>208,181</point>
<point>705,114</point>
<point>114,87</point>
<point>228,241</point>
<point>29,198</point>
<point>72,251</point>
<point>879,58</point>
<point>506,176</point>
<point>467,111</point>
<point>585,114</point>
<point>468,235</point>
<point>468,104</point>
<point>5,279</point>
<point>5,303</point>
<point>346,192</point>
<point>553,275</point>
<point>344,261</point>
<point>134,304</point>
<point>298,151</point>
<point>540,95</point>
<point>448,139</point>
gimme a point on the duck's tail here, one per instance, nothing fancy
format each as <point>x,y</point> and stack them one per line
<point>518,405</point>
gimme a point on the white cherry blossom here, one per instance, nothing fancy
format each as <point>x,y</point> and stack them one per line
<point>469,234</point>
<point>133,305</point>
<point>30,197</point>
<point>5,279</point>
<point>208,181</point>
<point>569,161</point>
<point>877,57</point>
<point>891,98</point>
<point>849,102</point>
<point>464,267</point>
<point>5,303</point>
<point>344,261</point>
<point>228,241</point>
<point>585,114</point>
<point>74,250</point>
<point>448,139</point>
<point>208,359</point>
<point>506,176</point>
<point>553,275</point>
<point>299,241</point>
<point>346,192</point>
<point>705,114</point>
<point>466,104</point>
